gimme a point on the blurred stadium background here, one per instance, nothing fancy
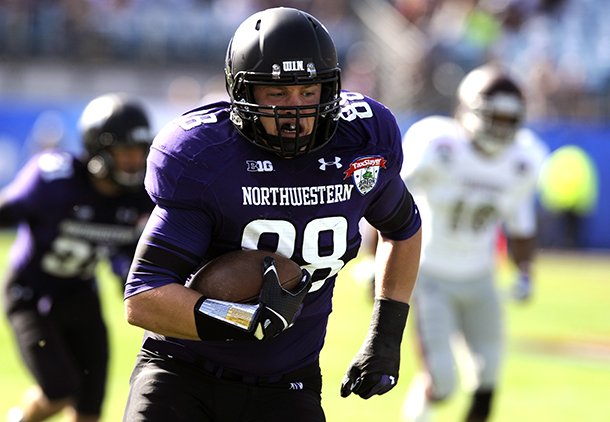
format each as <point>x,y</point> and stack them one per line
<point>56,55</point>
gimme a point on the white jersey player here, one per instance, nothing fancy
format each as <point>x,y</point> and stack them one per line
<point>471,175</point>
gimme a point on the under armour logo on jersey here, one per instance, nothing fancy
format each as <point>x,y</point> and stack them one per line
<point>296,386</point>
<point>257,166</point>
<point>392,379</point>
<point>324,163</point>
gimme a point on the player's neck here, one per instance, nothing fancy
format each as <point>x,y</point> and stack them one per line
<point>106,187</point>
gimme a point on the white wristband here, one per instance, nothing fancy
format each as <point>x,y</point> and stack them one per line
<point>241,315</point>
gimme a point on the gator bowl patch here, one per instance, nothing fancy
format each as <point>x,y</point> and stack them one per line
<point>365,172</point>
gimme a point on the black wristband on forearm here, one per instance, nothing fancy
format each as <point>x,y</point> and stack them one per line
<point>214,329</point>
<point>388,320</point>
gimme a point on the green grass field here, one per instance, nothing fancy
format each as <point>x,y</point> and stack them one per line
<point>557,367</point>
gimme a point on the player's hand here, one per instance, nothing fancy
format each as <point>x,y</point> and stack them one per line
<point>374,370</point>
<point>275,311</point>
<point>278,307</point>
<point>522,289</point>
<point>369,375</point>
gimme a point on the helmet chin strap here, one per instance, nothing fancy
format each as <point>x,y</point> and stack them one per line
<point>100,167</point>
<point>489,146</point>
<point>290,147</point>
<point>285,147</point>
<point>128,180</point>
<point>487,141</point>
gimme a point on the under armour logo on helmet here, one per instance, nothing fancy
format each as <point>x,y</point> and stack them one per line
<point>324,163</point>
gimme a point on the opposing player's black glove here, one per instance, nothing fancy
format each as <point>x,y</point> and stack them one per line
<point>374,370</point>
<point>275,311</point>
<point>279,307</point>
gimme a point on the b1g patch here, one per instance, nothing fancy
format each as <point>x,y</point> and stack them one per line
<point>365,172</point>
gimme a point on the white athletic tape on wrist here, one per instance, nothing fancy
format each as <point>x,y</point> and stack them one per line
<point>240,315</point>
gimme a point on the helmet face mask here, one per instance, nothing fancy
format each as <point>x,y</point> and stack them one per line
<point>283,47</point>
<point>116,135</point>
<point>129,165</point>
<point>491,109</point>
<point>284,145</point>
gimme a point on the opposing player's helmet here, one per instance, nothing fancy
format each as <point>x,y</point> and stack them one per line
<point>113,121</point>
<point>491,108</point>
<point>282,46</point>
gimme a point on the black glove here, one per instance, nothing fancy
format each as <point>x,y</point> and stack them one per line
<point>276,310</point>
<point>374,370</point>
<point>279,307</point>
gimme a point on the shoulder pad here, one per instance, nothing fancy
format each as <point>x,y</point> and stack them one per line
<point>532,146</point>
<point>55,165</point>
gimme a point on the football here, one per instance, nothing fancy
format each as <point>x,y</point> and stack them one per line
<point>238,276</point>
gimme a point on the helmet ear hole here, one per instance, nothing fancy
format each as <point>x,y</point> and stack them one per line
<point>97,167</point>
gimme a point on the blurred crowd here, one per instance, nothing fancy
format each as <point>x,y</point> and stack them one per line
<point>162,31</point>
<point>559,49</point>
<point>408,53</point>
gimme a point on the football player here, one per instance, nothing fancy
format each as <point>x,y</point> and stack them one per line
<point>71,212</point>
<point>471,175</point>
<point>290,165</point>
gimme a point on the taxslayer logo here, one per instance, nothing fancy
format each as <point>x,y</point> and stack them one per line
<point>365,171</point>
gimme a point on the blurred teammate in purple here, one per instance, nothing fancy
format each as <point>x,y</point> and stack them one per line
<point>71,212</point>
<point>290,165</point>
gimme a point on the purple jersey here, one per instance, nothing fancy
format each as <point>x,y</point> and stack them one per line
<point>65,226</point>
<point>217,192</point>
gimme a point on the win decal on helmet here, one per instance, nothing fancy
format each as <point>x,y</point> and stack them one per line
<point>109,123</point>
<point>283,47</point>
